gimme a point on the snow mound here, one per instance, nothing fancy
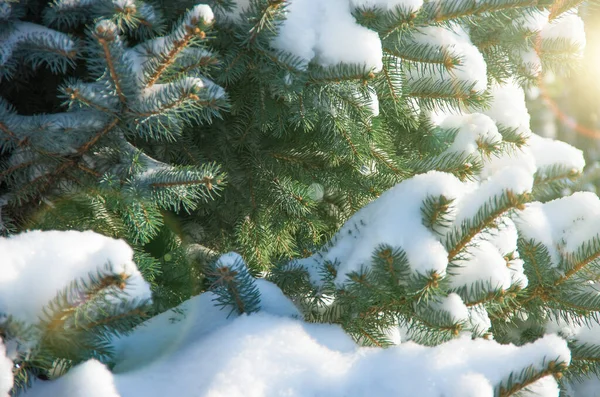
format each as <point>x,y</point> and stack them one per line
<point>195,318</point>
<point>90,379</point>
<point>37,265</point>
<point>264,355</point>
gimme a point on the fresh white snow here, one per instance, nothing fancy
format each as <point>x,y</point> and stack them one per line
<point>6,376</point>
<point>568,27</point>
<point>507,107</point>
<point>262,355</point>
<point>90,379</point>
<point>329,32</point>
<point>456,43</point>
<point>37,265</point>
<point>562,225</point>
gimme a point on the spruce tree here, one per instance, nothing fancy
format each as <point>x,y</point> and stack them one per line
<point>412,111</point>
<point>89,166</point>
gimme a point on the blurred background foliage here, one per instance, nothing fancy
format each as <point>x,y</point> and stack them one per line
<point>567,106</point>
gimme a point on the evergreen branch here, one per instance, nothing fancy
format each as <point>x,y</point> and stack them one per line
<point>293,159</point>
<point>86,146</point>
<point>460,96</point>
<point>50,178</point>
<point>206,181</point>
<point>389,83</point>
<point>387,162</point>
<point>266,16</point>
<point>203,61</point>
<point>176,104</point>
<point>489,297</point>
<point>11,135</point>
<point>585,358</point>
<point>435,212</point>
<point>178,46</point>
<point>371,339</point>
<point>251,188</point>
<point>545,179</point>
<point>577,262</point>
<point>234,61</point>
<point>453,329</point>
<point>339,73</point>
<point>405,21</point>
<point>420,53</point>
<point>486,219</point>
<point>103,37</point>
<point>36,45</point>
<point>90,171</point>
<point>347,138</point>
<point>465,167</point>
<point>558,7</point>
<point>137,312</point>
<point>528,251</point>
<point>531,376</point>
<point>539,291</point>
<point>234,286</point>
<point>361,278</point>
<point>70,55</point>
<point>506,298</point>
<point>512,136</point>
<point>441,11</point>
<point>72,161</point>
<point>74,94</point>
<point>277,60</point>
<point>585,352</point>
<point>67,302</point>
<point>14,168</point>
<point>587,305</point>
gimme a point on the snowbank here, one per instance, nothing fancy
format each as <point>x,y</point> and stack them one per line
<point>265,355</point>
